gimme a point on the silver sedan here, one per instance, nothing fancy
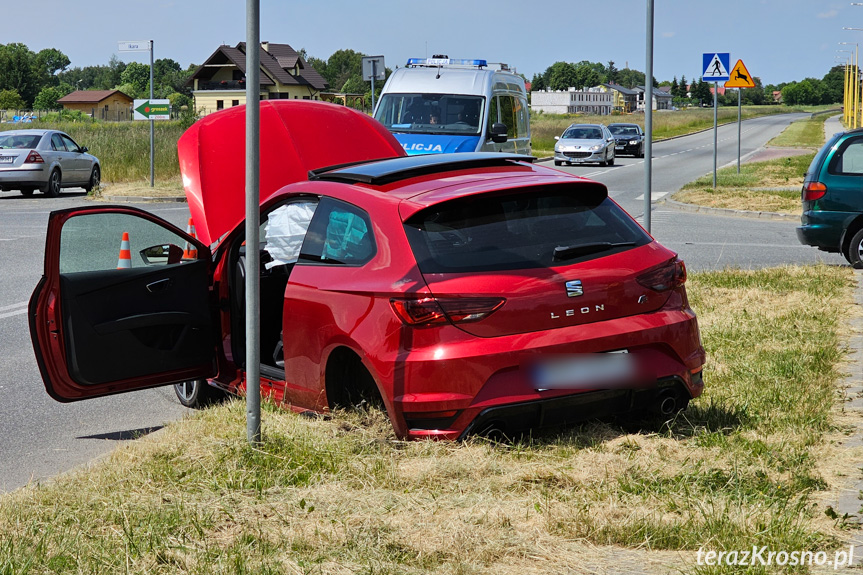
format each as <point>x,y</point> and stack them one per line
<point>584,143</point>
<point>47,160</point>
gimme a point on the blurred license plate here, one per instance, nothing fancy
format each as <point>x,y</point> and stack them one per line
<point>619,147</point>
<point>7,159</point>
<point>584,371</point>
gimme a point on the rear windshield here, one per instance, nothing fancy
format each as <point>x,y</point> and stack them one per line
<point>520,231</point>
<point>19,141</point>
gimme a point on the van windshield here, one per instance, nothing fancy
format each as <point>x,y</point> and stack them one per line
<point>431,113</point>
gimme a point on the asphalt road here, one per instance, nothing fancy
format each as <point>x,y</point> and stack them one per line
<point>40,438</point>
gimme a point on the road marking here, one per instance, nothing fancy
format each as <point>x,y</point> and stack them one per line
<point>22,306</point>
<point>653,196</point>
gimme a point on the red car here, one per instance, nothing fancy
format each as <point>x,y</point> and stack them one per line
<point>464,292</point>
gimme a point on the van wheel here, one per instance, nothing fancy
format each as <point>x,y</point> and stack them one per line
<point>855,250</point>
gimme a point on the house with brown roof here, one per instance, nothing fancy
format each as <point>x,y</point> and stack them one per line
<point>111,105</point>
<point>220,82</point>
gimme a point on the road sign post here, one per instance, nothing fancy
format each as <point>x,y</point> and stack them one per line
<point>715,69</point>
<point>739,78</point>
<point>374,69</point>
<point>139,46</point>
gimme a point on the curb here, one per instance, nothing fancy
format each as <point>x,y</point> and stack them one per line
<point>729,212</point>
<point>133,199</point>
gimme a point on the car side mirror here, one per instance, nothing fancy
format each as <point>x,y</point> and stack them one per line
<point>498,133</point>
<point>84,150</point>
<point>162,254</point>
<point>557,137</point>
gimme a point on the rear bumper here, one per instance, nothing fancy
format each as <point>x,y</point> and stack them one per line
<point>443,391</point>
<point>14,179</point>
<point>823,229</point>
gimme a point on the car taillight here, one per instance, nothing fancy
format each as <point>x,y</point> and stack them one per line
<point>436,311</point>
<point>813,191</point>
<point>667,276</point>
<point>34,158</point>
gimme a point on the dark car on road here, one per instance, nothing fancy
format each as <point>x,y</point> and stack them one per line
<point>832,198</point>
<point>628,139</point>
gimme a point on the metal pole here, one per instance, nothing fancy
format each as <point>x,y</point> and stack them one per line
<point>253,217</point>
<point>374,73</point>
<point>715,123</point>
<point>738,129</point>
<point>152,130</point>
<point>648,119</point>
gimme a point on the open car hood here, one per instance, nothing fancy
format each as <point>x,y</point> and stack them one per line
<point>296,136</point>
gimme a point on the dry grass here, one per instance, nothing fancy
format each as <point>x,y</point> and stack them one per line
<point>342,495</point>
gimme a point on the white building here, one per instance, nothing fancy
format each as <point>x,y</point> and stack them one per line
<point>589,101</point>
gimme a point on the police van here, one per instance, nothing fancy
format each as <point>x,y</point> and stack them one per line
<point>436,105</point>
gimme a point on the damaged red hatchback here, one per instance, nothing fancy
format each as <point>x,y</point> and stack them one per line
<point>463,292</point>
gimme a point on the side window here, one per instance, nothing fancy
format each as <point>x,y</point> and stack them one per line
<point>339,234</point>
<point>101,242</point>
<point>493,109</point>
<point>57,143</point>
<point>70,145</point>
<point>284,230</point>
<point>521,117</point>
<point>848,159</point>
<point>507,115</point>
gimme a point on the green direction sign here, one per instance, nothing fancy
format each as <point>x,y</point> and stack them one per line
<point>152,110</point>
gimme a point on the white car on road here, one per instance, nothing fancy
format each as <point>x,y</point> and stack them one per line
<point>47,160</point>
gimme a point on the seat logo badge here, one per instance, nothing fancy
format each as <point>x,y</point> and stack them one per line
<point>574,288</point>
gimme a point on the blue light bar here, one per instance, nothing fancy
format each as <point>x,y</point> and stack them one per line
<point>446,62</point>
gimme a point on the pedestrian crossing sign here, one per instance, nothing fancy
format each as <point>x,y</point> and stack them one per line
<point>716,66</point>
<point>740,77</point>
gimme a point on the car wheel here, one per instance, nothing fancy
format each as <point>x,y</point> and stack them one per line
<point>855,251</point>
<point>27,191</point>
<point>641,153</point>
<point>557,162</point>
<point>611,161</point>
<point>95,180</point>
<point>197,393</point>
<point>55,182</point>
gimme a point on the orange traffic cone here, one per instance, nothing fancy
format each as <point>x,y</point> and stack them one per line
<point>125,261</point>
<point>190,252</point>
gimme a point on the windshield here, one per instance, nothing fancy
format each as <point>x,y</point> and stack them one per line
<point>19,141</point>
<point>582,133</point>
<point>431,113</point>
<point>623,130</point>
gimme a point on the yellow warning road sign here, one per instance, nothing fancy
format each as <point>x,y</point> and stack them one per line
<point>740,77</point>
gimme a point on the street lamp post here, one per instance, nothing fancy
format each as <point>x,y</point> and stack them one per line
<point>849,95</point>
<point>856,77</point>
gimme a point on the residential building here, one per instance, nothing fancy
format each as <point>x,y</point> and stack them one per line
<point>625,100</point>
<point>590,101</point>
<point>110,105</point>
<point>661,99</point>
<point>220,82</point>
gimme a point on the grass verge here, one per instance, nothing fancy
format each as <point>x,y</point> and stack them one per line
<point>341,495</point>
<point>768,186</point>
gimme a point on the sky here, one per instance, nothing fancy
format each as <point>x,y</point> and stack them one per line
<point>778,40</point>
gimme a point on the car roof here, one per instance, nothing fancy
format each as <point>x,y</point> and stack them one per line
<point>585,125</point>
<point>624,124</point>
<point>30,132</point>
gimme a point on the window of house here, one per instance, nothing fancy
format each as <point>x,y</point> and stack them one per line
<point>235,102</point>
<point>220,104</point>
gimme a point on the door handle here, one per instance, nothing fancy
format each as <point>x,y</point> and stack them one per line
<point>160,286</point>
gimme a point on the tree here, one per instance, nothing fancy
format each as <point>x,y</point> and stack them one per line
<point>341,65</point>
<point>136,78</point>
<point>629,78</point>
<point>682,90</point>
<point>11,100</point>
<point>47,98</point>
<point>561,76</point>
<point>537,84</point>
<point>586,75</point>
<point>16,71</point>
<point>675,88</point>
<point>833,84</point>
<point>611,72</point>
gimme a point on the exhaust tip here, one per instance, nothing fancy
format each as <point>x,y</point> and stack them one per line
<point>668,405</point>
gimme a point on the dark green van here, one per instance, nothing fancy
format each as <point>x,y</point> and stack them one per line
<point>833,198</point>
